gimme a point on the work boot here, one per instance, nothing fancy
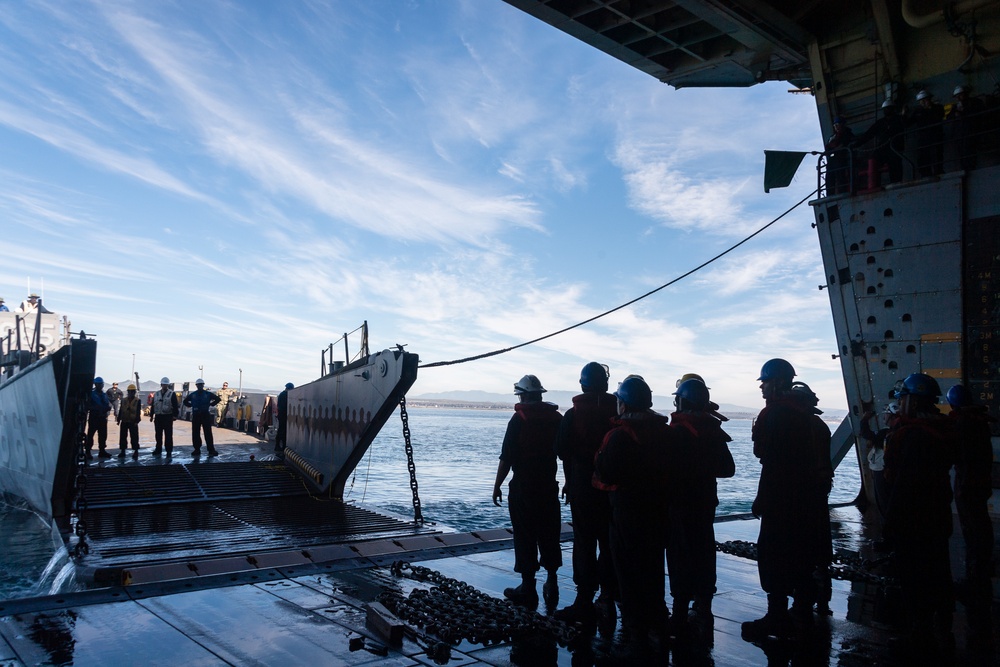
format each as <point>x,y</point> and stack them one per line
<point>550,589</point>
<point>212,451</point>
<point>607,614</point>
<point>524,595</point>
<point>135,454</point>
<point>103,454</point>
<point>121,454</point>
<point>773,625</point>
<point>702,605</point>
<point>581,611</point>
<point>157,450</point>
<point>197,452</point>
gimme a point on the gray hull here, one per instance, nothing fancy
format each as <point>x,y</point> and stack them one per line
<point>333,420</point>
<point>38,428</point>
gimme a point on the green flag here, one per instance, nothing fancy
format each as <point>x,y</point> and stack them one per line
<point>780,167</point>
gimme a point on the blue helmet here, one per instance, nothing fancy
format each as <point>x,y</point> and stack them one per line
<point>594,376</point>
<point>289,385</point>
<point>920,384</point>
<point>98,380</point>
<point>694,392</point>
<point>635,393</point>
<point>776,369</point>
<point>958,397</point>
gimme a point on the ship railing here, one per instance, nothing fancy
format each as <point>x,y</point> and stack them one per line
<point>957,143</point>
<point>327,363</point>
<point>17,351</point>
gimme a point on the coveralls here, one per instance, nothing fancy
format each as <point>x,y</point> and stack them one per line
<point>162,414</point>
<point>699,461</point>
<point>918,460</point>
<point>533,500</point>
<point>129,415</point>
<point>973,488</point>
<point>200,401</point>
<point>97,420</point>
<point>581,433</point>
<point>636,458</point>
<point>789,495</point>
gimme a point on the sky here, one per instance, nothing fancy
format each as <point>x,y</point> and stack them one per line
<point>223,188</point>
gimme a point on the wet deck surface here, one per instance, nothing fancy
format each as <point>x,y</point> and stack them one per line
<point>309,614</point>
<point>160,509</point>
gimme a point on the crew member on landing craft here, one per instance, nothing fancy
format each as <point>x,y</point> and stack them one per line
<point>918,460</point>
<point>581,433</point>
<point>97,420</point>
<point>128,418</point>
<point>785,502</point>
<point>163,413</point>
<point>636,457</point>
<point>3,306</point>
<point>200,401</point>
<point>887,149</point>
<point>225,396</point>
<point>973,488</point>
<point>115,396</point>
<point>529,450</point>
<point>691,532</point>
<point>282,431</point>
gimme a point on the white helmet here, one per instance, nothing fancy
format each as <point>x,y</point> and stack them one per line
<point>199,381</point>
<point>892,408</point>
<point>887,104</point>
<point>164,380</point>
<point>959,90</point>
<point>528,384</point>
<point>923,95</point>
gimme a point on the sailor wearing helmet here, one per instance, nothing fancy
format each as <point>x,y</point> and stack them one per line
<point>163,413</point>
<point>200,401</point>
<point>128,418</point>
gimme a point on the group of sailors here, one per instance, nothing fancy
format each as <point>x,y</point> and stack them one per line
<point>642,485</point>
<point>937,136</point>
<point>911,459</point>
<point>32,304</point>
<point>164,408</point>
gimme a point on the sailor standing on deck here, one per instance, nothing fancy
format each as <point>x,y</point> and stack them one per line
<point>529,450</point>
<point>636,458</point>
<point>786,501</point>
<point>581,433</point>
<point>225,396</point>
<point>973,488</point>
<point>3,306</point>
<point>200,401</point>
<point>691,534</point>
<point>115,396</point>
<point>918,460</point>
<point>97,420</point>
<point>128,418</point>
<point>163,413</point>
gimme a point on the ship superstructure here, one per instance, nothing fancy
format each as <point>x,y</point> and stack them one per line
<point>908,227</point>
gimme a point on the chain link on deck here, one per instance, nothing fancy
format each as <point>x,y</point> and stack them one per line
<point>454,611</point>
<point>844,566</point>
<point>418,516</point>
<point>80,503</point>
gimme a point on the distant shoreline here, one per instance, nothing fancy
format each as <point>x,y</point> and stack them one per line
<point>507,407</point>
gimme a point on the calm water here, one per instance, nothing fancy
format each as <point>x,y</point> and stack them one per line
<point>455,453</point>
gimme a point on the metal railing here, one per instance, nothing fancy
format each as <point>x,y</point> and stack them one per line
<point>962,143</point>
<point>328,365</point>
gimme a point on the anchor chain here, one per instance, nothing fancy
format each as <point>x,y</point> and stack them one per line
<point>80,503</point>
<point>418,516</point>
<point>844,566</point>
<point>454,611</point>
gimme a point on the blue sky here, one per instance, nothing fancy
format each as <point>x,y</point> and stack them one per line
<point>234,185</point>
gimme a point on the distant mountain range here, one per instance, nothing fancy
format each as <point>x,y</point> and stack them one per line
<point>564,399</point>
